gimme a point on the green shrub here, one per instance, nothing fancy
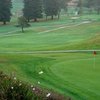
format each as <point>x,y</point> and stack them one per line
<point>13,89</point>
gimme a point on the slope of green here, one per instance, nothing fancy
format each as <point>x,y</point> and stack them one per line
<point>72,74</point>
<point>84,36</point>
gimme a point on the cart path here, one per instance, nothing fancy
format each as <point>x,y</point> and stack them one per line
<point>13,33</point>
<point>47,52</point>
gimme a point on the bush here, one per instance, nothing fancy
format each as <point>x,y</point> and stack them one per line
<point>13,89</point>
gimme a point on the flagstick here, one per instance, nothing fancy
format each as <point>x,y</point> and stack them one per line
<point>94,62</point>
<point>94,59</point>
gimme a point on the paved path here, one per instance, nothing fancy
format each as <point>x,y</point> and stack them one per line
<point>47,52</point>
<point>44,52</point>
<point>13,33</point>
<point>65,26</point>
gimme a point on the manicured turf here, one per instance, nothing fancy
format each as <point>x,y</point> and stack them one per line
<point>72,74</point>
<point>84,36</point>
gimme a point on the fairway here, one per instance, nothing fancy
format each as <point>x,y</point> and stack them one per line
<point>69,37</point>
<point>72,74</point>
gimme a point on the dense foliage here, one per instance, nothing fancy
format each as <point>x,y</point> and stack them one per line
<point>13,89</point>
<point>22,22</point>
<point>51,7</point>
<point>5,10</point>
<point>90,4</point>
<point>32,9</point>
<point>93,4</point>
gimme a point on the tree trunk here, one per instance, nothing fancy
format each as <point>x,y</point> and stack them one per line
<point>80,11</point>
<point>52,17</point>
<point>58,15</point>
<point>4,22</point>
<point>46,17</point>
<point>28,19</point>
<point>35,19</point>
<point>22,29</point>
<point>80,8</point>
<point>98,11</point>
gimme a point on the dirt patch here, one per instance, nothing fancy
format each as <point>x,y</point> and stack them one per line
<point>3,60</point>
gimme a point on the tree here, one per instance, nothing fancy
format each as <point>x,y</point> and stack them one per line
<point>32,9</point>
<point>97,6</point>
<point>92,4</point>
<point>5,10</point>
<point>22,22</point>
<point>51,7</point>
<point>80,5</point>
<point>63,4</point>
<point>89,4</point>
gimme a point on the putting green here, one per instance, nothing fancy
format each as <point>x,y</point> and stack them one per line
<point>72,74</point>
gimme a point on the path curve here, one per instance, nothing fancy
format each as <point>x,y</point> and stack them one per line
<point>8,34</point>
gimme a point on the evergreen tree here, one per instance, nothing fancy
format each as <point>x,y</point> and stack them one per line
<point>97,6</point>
<point>51,7</point>
<point>32,9</point>
<point>63,4</point>
<point>5,10</point>
<point>80,5</point>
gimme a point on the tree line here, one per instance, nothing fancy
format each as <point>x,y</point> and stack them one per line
<point>5,11</point>
<point>90,4</point>
<point>34,9</point>
<point>93,4</point>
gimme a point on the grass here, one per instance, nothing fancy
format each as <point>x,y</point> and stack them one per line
<point>72,74</point>
<point>75,37</point>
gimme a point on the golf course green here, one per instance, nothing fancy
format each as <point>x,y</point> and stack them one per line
<point>72,74</point>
